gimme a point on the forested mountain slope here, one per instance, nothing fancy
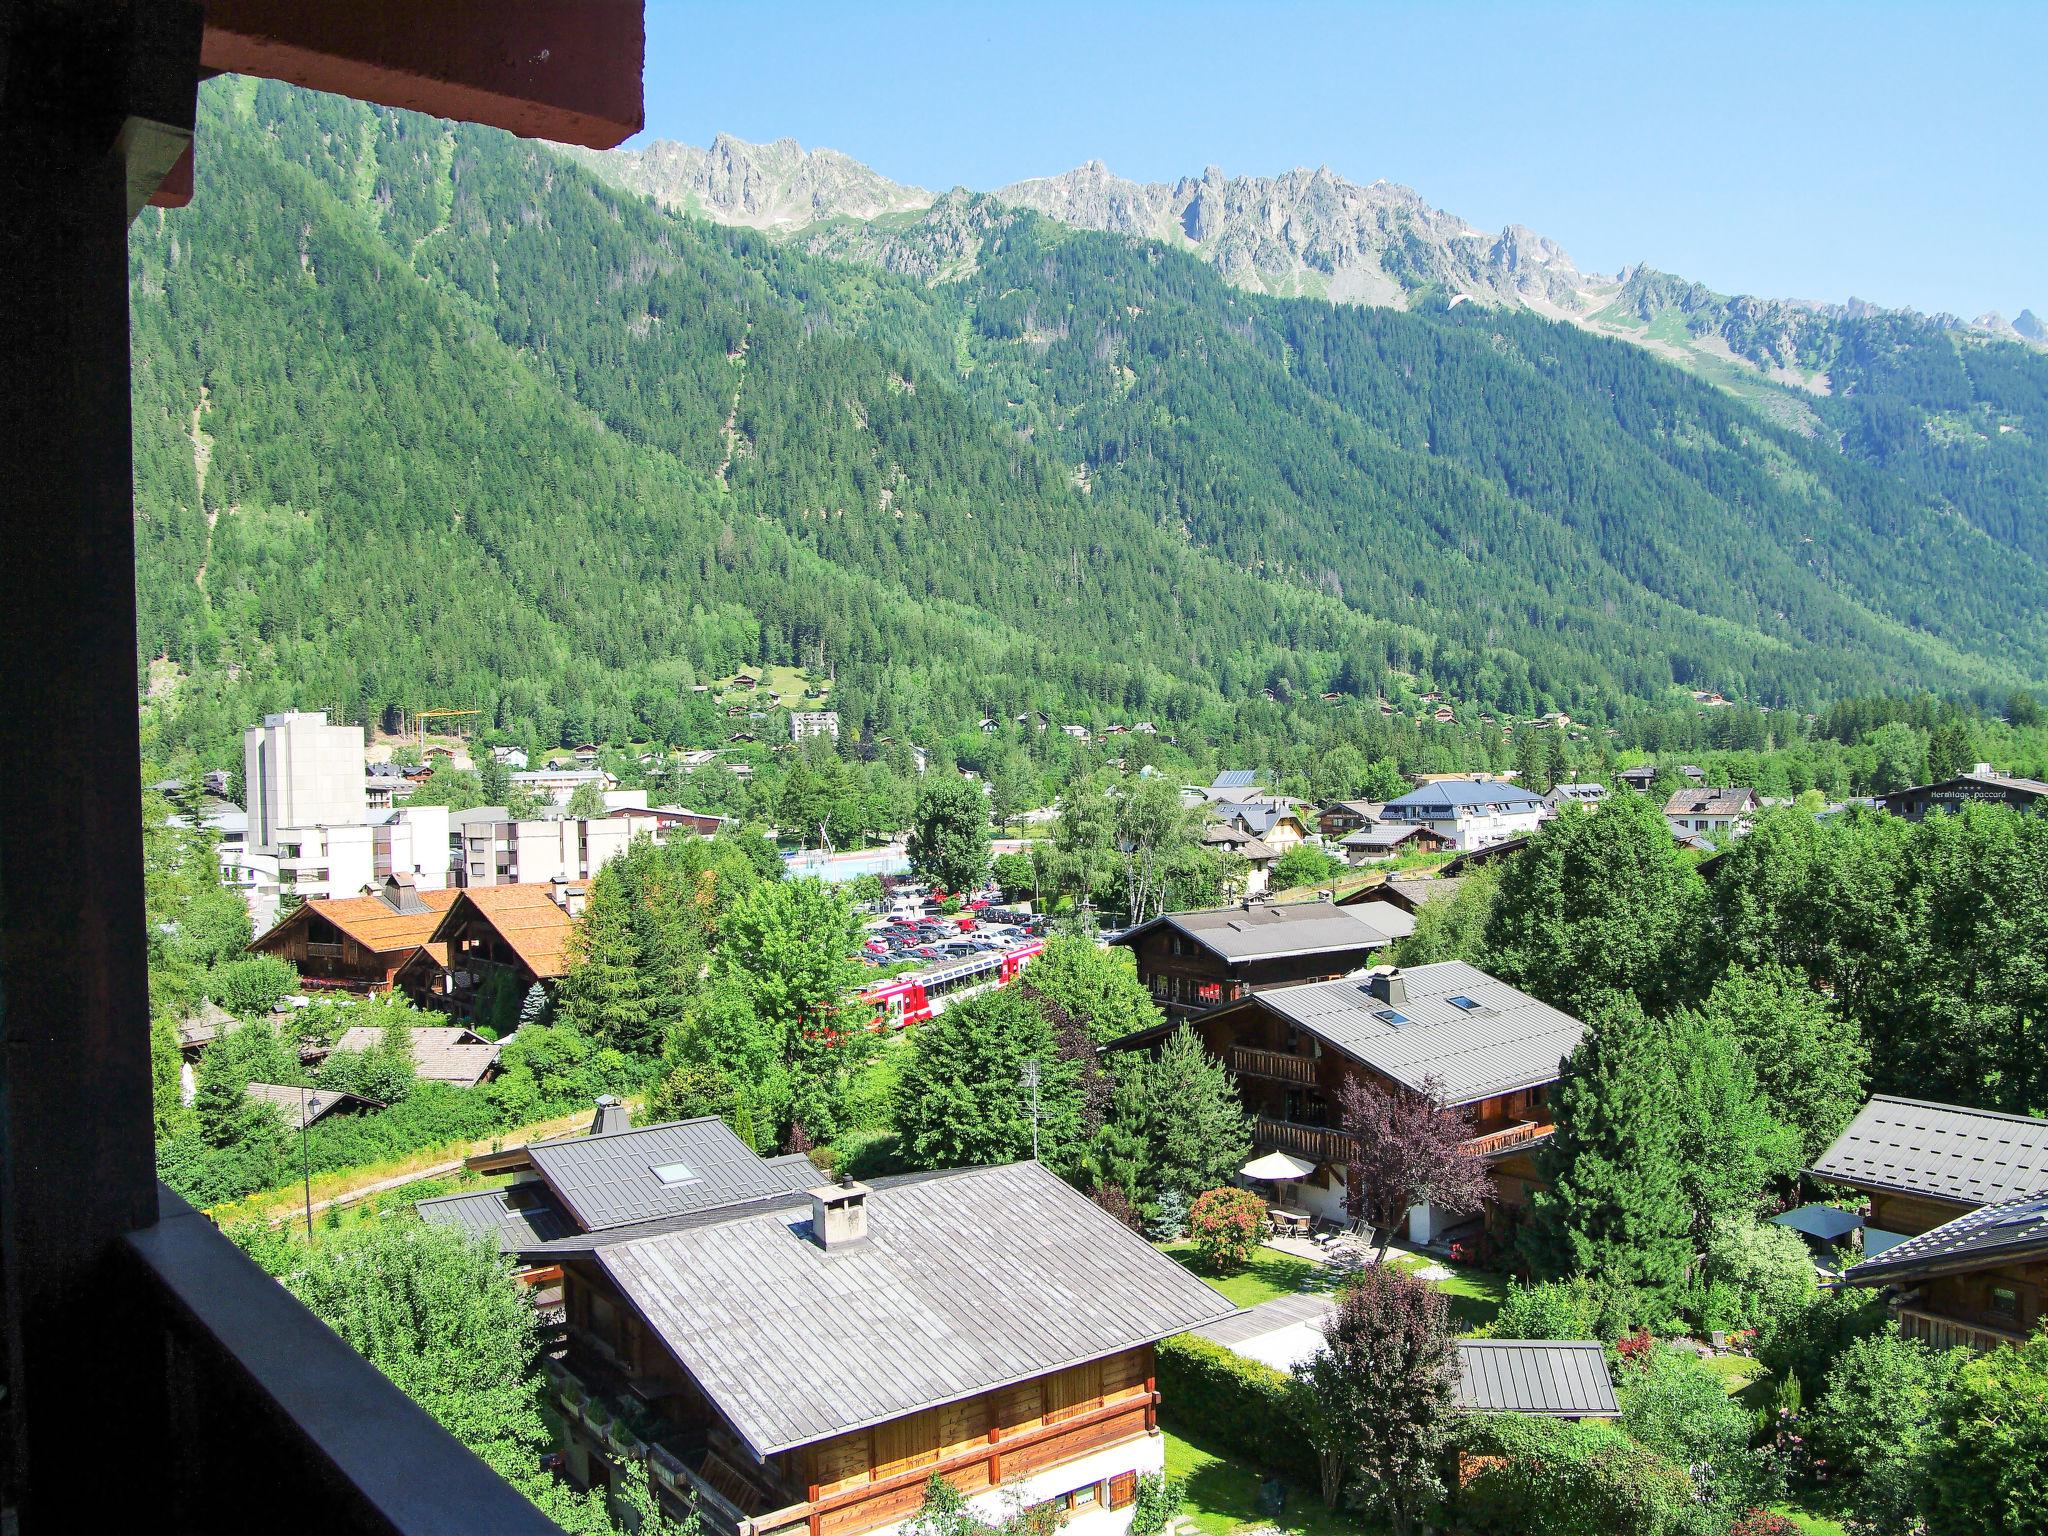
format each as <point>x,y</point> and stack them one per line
<point>426,413</point>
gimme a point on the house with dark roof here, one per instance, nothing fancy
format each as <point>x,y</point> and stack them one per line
<point>1471,813</point>
<point>1342,817</point>
<point>1562,795</point>
<point>511,936</point>
<point>356,943</point>
<point>1448,1030</point>
<point>301,1107</point>
<point>786,1353</point>
<point>1194,961</point>
<point>1923,1164</point>
<point>1977,1282</point>
<point>1979,784</point>
<point>1276,822</point>
<point>1259,855</point>
<point>1638,778</point>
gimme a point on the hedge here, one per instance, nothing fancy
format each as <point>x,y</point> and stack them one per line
<point>1220,1397</point>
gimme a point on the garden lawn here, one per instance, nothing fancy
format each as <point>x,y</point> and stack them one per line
<point>1807,1519</point>
<point>1223,1497</point>
<point>1475,1295</point>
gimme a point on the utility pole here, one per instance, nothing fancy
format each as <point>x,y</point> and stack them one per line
<point>306,1107</point>
<point>1030,1080</point>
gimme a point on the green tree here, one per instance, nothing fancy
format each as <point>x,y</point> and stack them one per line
<point>1599,906</point>
<point>252,985</point>
<point>586,800</point>
<point>1809,1062</point>
<point>949,836</point>
<point>962,1098</point>
<point>1304,864</point>
<point>1758,1271</point>
<point>1880,1422</point>
<point>1453,929</point>
<point>1991,1474</point>
<point>1099,986</point>
<point>1673,1404</point>
<point>1727,1143</point>
<point>1615,1205</point>
<point>1182,1106</point>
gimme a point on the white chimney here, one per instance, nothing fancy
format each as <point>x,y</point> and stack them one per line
<point>839,1215</point>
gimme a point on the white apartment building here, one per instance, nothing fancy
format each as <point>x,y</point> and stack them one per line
<point>299,771</point>
<point>806,723</point>
<point>326,860</point>
<point>1472,813</point>
<point>558,784</point>
<point>488,848</point>
<point>413,839</point>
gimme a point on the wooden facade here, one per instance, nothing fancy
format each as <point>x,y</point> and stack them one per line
<point>1290,1083</point>
<point>354,943</point>
<point>872,1477</point>
<point>1186,978</point>
<point>1976,1308</point>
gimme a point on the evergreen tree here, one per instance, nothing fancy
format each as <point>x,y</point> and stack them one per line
<point>962,1097</point>
<point>1808,1060</point>
<point>1615,1206</point>
<point>1182,1106</point>
<point>1728,1144</point>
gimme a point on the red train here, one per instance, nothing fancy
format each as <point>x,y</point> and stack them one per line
<point>914,997</point>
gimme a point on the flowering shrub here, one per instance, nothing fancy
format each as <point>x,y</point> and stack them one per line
<point>1225,1225</point>
<point>1635,1348</point>
<point>1761,1522</point>
<point>1460,1254</point>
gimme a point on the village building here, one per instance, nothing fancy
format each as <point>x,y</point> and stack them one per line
<point>1448,1030</point>
<point>1410,893</point>
<point>1639,778</point>
<point>1274,822</point>
<point>356,943</point>
<point>1259,855</point>
<point>559,783</point>
<point>1342,817</point>
<point>1561,795</point>
<point>487,847</point>
<point>301,1107</point>
<point>1712,812</point>
<point>1194,961</point>
<point>1980,785</point>
<point>1469,813</point>
<point>783,1352</point>
<point>507,937</point>
<point>806,723</point>
<point>462,1058</point>
<point>1374,845</point>
<point>1977,1282</point>
<point>1922,1164</point>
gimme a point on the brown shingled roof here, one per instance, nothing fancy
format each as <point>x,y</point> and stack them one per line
<point>370,921</point>
<point>526,917</point>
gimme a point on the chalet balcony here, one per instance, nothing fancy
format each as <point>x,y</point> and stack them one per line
<point>1508,1138</point>
<point>1317,1143</point>
<point>1941,1331</point>
<point>1281,1066</point>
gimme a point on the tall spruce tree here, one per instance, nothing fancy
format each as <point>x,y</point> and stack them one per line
<point>1183,1106</point>
<point>1616,1202</point>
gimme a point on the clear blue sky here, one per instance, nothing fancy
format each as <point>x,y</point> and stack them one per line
<point>1895,153</point>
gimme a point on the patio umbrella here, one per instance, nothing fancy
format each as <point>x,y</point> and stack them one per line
<point>1277,1167</point>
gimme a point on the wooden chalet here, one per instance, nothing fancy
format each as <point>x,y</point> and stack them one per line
<point>440,1053</point>
<point>1922,1164</point>
<point>1977,1282</point>
<point>1980,784</point>
<point>520,929</point>
<point>301,1107</point>
<point>1448,1029</point>
<point>1195,961</point>
<point>1389,840</point>
<point>804,1357</point>
<point>1340,817</point>
<point>1411,895</point>
<point>356,943</point>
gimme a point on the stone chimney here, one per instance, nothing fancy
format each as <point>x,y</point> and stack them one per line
<point>613,1115</point>
<point>1390,987</point>
<point>839,1215</point>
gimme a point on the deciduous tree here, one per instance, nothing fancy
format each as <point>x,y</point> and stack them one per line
<point>1407,1150</point>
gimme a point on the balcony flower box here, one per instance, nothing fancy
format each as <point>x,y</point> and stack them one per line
<point>596,1415</point>
<point>668,1467</point>
<point>625,1442</point>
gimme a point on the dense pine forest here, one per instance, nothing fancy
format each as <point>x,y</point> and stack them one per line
<point>425,414</point>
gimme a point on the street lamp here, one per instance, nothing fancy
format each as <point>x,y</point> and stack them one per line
<point>1029,1079</point>
<point>307,1109</point>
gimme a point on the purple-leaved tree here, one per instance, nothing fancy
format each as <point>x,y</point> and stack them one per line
<point>1406,1150</point>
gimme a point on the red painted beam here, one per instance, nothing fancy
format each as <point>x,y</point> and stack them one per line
<point>175,190</point>
<point>567,70</point>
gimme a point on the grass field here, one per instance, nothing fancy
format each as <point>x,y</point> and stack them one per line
<point>1475,1295</point>
<point>1223,1497</point>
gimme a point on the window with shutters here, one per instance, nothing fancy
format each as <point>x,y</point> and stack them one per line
<point>1123,1490</point>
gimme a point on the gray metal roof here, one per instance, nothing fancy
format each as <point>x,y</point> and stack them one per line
<point>1235,778</point>
<point>515,1216</point>
<point>1556,1377</point>
<point>966,1282</point>
<point>1946,1151</point>
<point>1310,1307</point>
<point>1452,794</point>
<point>1266,931</point>
<point>610,1181</point>
<point>2011,1229</point>
<point>1509,1041</point>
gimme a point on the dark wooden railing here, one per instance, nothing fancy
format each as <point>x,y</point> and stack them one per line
<point>1282,1065</point>
<point>1945,1332</point>
<point>1317,1143</point>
